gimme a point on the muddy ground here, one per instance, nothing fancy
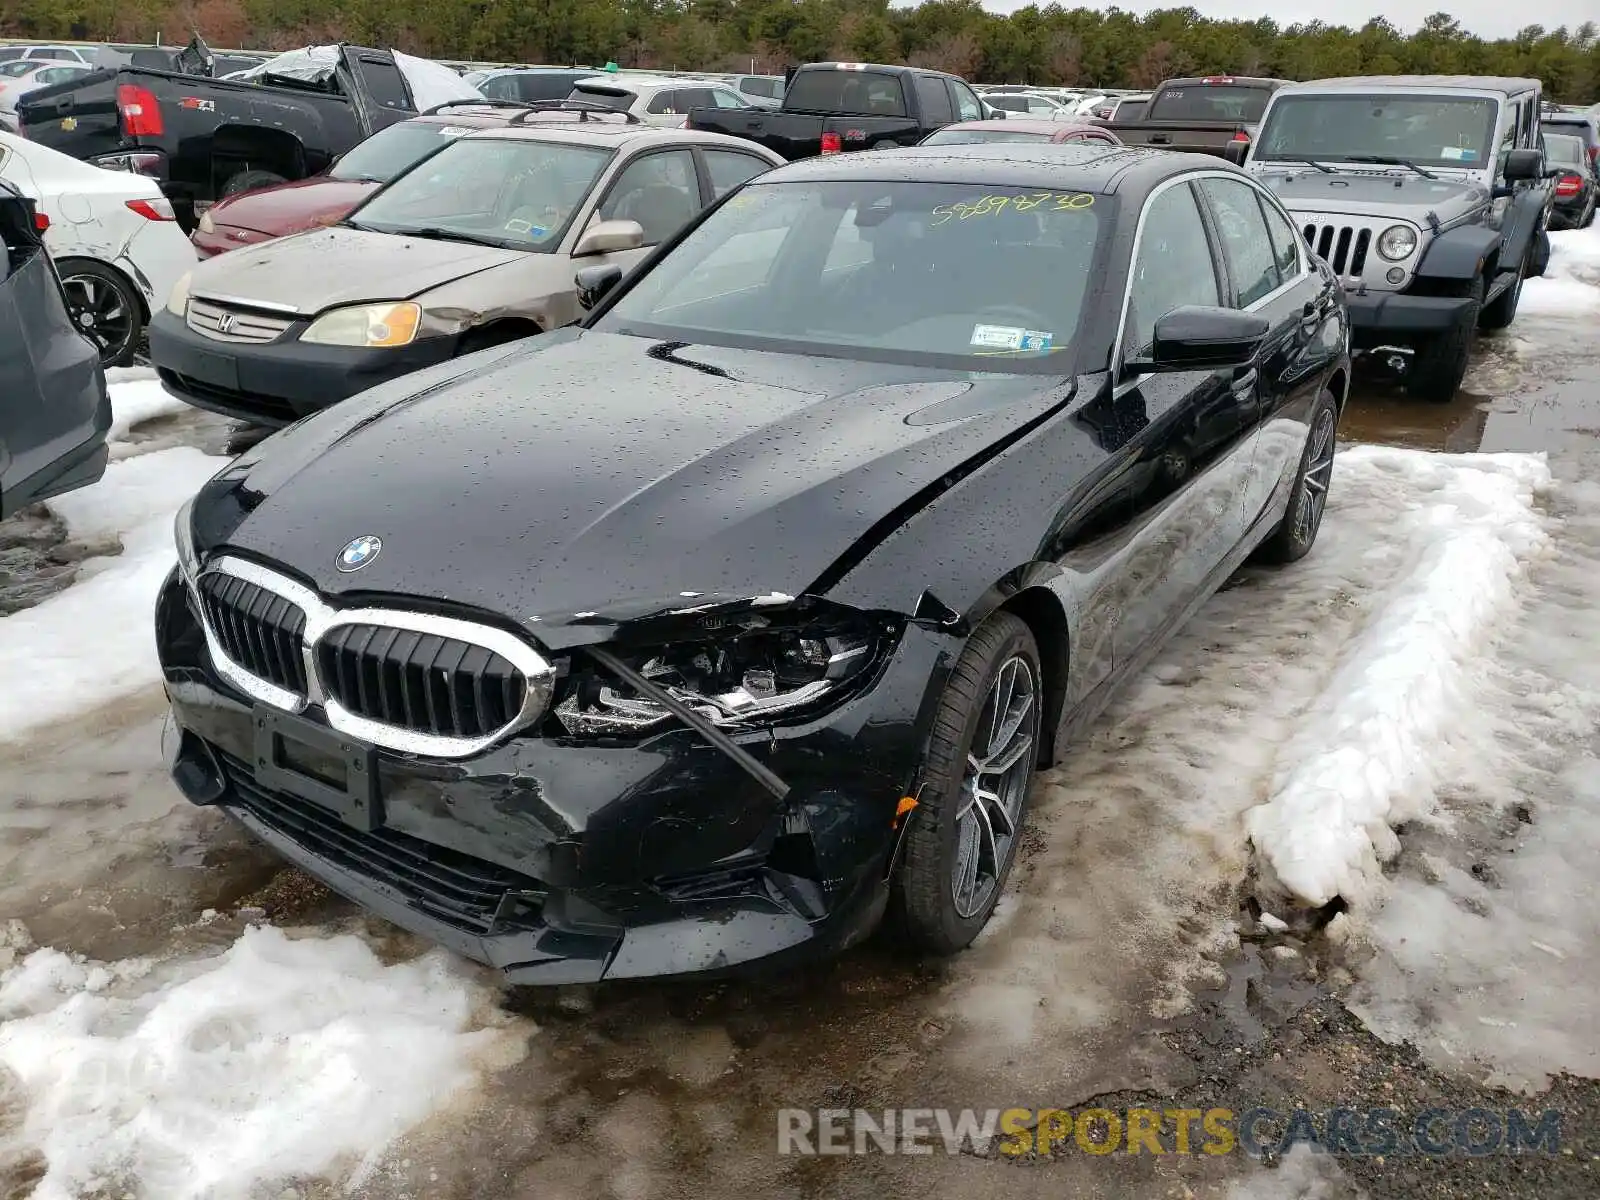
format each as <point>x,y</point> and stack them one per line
<point>1163,990</point>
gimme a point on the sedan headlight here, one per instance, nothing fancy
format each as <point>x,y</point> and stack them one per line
<point>207,225</point>
<point>759,674</point>
<point>1397,242</point>
<point>183,536</point>
<point>394,323</point>
<point>178,298</point>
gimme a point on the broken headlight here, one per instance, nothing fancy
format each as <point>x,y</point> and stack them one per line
<point>759,675</point>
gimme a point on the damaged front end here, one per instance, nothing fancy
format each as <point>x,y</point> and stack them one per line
<point>709,784</point>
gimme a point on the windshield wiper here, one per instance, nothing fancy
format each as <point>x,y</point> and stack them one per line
<point>1384,160</point>
<point>1325,169</point>
<point>435,233</point>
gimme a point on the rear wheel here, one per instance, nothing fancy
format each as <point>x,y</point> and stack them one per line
<point>1297,532</point>
<point>1439,364</point>
<point>964,833</point>
<point>105,306</point>
<point>1588,216</point>
<point>249,181</point>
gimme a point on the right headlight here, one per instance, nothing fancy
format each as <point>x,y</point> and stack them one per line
<point>207,225</point>
<point>1397,242</point>
<point>183,536</point>
<point>756,675</point>
<point>178,298</point>
<point>370,326</point>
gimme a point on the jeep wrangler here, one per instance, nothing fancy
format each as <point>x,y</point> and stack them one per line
<point>1429,197</point>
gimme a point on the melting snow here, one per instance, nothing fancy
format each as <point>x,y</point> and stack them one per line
<point>1364,757</point>
<point>277,1059</point>
<point>1571,284</point>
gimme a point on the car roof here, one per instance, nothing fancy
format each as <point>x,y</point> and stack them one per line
<point>1080,166</point>
<point>1056,130</point>
<point>645,83</point>
<point>614,134</point>
<point>1502,85</point>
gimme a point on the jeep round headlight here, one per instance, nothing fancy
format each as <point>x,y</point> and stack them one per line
<point>1397,242</point>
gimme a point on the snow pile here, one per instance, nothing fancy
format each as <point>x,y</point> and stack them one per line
<point>137,396</point>
<point>93,642</point>
<point>278,1059</point>
<point>1571,284</point>
<point>1364,757</point>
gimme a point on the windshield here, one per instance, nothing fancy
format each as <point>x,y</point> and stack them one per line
<point>967,137</point>
<point>384,155</point>
<point>1568,151</point>
<point>979,278</point>
<point>514,193</point>
<point>1431,131</point>
<point>13,70</point>
<point>1210,102</point>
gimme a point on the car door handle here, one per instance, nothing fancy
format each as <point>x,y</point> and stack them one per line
<point>1247,381</point>
<point>1159,139</point>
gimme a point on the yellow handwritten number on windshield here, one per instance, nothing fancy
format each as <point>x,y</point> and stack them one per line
<point>988,206</point>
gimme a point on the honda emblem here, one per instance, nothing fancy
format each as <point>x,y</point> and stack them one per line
<point>225,323</point>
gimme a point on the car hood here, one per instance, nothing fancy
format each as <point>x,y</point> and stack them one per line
<point>1363,194</point>
<point>591,477</point>
<point>291,207</point>
<point>324,268</point>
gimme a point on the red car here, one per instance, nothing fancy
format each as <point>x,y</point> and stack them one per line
<point>248,218</point>
<point>1021,129</point>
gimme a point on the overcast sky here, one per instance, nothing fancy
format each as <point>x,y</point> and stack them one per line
<point>1486,18</point>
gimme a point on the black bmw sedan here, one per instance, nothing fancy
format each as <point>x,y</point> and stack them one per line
<point>711,629</point>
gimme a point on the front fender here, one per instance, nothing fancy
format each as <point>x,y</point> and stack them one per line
<point>1522,223</point>
<point>1458,253</point>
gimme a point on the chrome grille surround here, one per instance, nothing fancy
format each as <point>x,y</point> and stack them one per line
<point>222,323</point>
<point>320,617</point>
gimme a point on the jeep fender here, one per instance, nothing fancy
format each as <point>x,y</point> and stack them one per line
<point>1458,253</point>
<point>1522,222</point>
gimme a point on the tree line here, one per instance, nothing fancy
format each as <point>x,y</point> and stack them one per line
<point>1050,45</point>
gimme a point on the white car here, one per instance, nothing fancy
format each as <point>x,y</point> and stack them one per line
<point>113,238</point>
<point>83,54</point>
<point>21,76</point>
<point>660,100</point>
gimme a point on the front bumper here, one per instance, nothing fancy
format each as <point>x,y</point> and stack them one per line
<point>276,383</point>
<point>563,861</point>
<point>1384,313</point>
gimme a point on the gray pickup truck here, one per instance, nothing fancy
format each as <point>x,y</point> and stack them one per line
<point>1428,196</point>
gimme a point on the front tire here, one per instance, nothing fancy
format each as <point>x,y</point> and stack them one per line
<point>974,795</point>
<point>105,307</point>
<point>1499,313</point>
<point>1541,254</point>
<point>1297,532</point>
<point>1440,364</point>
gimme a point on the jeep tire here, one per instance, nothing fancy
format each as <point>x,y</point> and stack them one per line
<point>1541,254</point>
<point>1502,310</point>
<point>1440,363</point>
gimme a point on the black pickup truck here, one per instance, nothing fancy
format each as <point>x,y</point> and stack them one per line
<point>831,107</point>
<point>1209,114</point>
<point>205,138</point>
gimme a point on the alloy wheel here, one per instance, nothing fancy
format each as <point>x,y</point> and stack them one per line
<point>1315,478</point>
<point>101,312</point>
<point>994,785</point>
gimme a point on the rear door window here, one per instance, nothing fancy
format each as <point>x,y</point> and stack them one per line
<point>729,168</point>
<point>935,100</point>
<point>384,82</point>
<point>1250,251</point>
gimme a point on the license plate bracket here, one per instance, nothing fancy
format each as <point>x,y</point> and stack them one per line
<point>319,765</point>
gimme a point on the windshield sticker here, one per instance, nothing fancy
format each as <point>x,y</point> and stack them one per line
<point>1458,153</point>
<point>988,206</point>
<point>454,131</point>
<point>518,225</point>
<point>1010,337</point>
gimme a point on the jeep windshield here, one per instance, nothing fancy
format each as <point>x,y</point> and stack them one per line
<point>966,276</point>
<point>1430,131</point>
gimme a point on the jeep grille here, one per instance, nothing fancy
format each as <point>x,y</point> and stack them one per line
<point>1342,247</point>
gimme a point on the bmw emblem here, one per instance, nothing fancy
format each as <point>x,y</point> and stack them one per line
<point>359,553</point>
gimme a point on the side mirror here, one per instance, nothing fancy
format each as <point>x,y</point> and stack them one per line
<point>610,237</point>
<point>593,283</point>
<point>1196,338</point>
<point>1522,165</point>
<point>1236,152</point>
<point>334,161</point>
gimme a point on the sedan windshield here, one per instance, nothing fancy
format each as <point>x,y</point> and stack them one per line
<point>519,194</point>
<point>1433,131</point>
<point>967,137</point>
<point>981,278</point>
<point>385,154</point>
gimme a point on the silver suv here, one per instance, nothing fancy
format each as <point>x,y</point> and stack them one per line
<point>1427,195</point>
